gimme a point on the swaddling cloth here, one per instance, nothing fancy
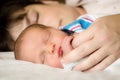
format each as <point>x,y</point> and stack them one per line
<point>82,23</point>
<point>70,66</point>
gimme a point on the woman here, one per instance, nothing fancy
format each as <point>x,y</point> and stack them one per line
<point>16,15</point>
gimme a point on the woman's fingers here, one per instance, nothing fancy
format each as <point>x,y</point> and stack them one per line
<point>101,58</point>
<point>92,60</point>
<point>82,37</point>
<point>103,64</point>
<point>113,51</point>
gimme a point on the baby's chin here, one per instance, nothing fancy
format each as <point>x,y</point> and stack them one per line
<point>58,65</point>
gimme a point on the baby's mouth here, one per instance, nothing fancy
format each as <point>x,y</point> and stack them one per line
<point>60,52</point>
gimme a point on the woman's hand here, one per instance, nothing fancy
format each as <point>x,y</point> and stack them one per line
<point>100,44</point>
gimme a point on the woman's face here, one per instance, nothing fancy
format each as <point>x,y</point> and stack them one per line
<point>49,15</point>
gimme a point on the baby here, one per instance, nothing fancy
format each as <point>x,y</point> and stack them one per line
<point>44,45</point>
<point>47,45</point>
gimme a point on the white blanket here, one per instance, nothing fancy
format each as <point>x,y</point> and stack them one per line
<point>11,69</point>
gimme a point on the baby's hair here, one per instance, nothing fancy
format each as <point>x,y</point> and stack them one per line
<point>19,41</point>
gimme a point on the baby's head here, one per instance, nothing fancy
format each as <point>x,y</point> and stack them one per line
<point>42,44</point>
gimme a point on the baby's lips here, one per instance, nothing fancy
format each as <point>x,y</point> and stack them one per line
<point>60,52</point>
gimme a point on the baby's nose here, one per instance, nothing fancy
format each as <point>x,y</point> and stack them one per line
<point>51,48</point>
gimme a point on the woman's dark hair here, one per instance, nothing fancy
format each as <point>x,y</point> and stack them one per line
<point>7,9</point>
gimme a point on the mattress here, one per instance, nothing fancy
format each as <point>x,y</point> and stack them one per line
<point>11,69</point>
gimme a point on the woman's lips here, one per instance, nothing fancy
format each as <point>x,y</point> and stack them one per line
<point>66,45</point>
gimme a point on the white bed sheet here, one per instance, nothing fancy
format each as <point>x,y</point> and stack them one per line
<point>11,69</point>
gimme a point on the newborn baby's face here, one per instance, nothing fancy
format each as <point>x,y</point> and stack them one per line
<point>46,46</point>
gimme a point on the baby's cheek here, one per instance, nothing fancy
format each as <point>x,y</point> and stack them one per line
<point>58,66</point>
<point>53,62</point>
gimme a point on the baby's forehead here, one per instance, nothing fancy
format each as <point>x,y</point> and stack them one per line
<point>27,36</point>
<point>31,29</point>
<point>27,33</point>
<point>34,29</point>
